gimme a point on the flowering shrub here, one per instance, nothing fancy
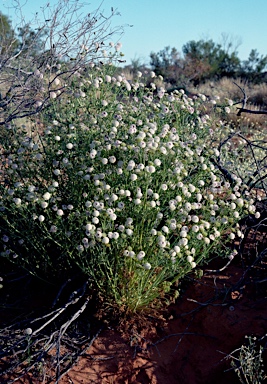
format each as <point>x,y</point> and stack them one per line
<point>120,184</point>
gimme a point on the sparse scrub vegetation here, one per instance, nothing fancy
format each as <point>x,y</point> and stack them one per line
<point>247,361</point>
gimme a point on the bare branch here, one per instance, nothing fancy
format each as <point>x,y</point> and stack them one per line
<point>245,98</point>
<point>59,43</point>
<point>244,110</point>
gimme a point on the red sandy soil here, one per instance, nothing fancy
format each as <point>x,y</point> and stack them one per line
<point>186,343</point>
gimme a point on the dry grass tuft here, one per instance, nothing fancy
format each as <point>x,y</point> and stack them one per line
<point>226,88</point>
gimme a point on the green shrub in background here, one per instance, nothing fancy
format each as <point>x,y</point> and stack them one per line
<point>120,184</point>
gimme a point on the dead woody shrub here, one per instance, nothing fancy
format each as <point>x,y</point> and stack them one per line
<point>68,40</point>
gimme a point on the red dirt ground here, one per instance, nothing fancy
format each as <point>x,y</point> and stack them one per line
<point>186,343</point>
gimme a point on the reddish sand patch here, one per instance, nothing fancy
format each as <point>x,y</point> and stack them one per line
<point>188,341</point>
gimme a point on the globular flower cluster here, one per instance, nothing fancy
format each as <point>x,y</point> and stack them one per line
<point>126,190</point>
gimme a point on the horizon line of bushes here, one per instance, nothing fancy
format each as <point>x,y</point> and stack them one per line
<point>205,60</point>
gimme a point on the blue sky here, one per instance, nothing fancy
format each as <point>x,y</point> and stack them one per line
<point>161,23</point>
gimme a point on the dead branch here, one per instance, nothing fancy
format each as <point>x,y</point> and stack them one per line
<point>78,355</point>
<point>181,334</point>
<point>65,39</point>
<point>256,261</point>
<point>244,110</point>
<point>258,175</point>
<point>229,177</point>
<point>245,98</point>
<point>220,269</point>
<point>18,343</point>
<point>207,303</point>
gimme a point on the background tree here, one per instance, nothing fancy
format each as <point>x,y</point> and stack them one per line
<point>253,67</point>
<point>217,61</point>
<point>31,42</point>
<point>201,60</point>
<point>135,66</point>
<point>166,63</point>
<point>206,60</point>
<point>8,39</point>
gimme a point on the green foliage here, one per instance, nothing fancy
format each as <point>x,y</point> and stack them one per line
<point>31,42</point>
<point>169,64</point>
<point>121,184</point>
<point>219,61</point>
<point>202,50</point>
<point>254,65</point>
<point>26,40</point>
<point>203,60</point>
<point>8,39</point>
<point>164,59</point>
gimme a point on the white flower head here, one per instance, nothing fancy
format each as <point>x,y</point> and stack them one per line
<point>118,46</point>
<point>47,196</point>
<point>140,255</point>
<point>44,204</point>
<point>105,240</point>
<point>115,235</point>
<point>147,266</point>
<point>53,229</point>
<point>165,229</point>
<point>133,177</point>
